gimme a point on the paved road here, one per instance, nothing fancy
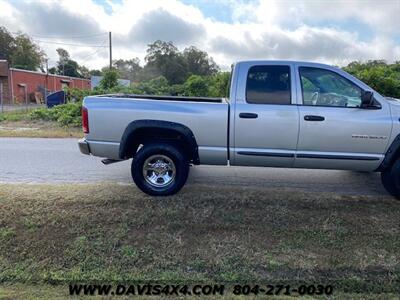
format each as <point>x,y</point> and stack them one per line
<point>59,160</point>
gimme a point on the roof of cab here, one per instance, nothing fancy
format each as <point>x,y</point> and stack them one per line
<point>266,61</point>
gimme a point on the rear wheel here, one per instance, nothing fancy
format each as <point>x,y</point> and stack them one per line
<point>391,179</point>
<point>160,169</point>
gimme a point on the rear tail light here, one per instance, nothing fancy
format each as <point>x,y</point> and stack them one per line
<point>85,120</point>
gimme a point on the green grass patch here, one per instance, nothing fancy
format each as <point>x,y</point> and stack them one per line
<point>14,116</point>
<point>56,234</point>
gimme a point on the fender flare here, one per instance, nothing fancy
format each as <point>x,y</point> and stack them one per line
<point>128,145</point>
<point>391,154</point>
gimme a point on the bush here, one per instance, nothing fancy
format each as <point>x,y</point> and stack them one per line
<point>76,95</point>
<point>66,114</point>
<point>110,79</point>
<point>196,86</point>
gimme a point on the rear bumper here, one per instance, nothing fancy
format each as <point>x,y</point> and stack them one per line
<point>84,146</point>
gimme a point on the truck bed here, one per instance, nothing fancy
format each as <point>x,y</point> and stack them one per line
<point>207,118</point>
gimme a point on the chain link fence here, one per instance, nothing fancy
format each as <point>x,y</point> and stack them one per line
<point>23,101</point>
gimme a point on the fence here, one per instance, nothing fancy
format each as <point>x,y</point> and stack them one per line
<point>7,104</point>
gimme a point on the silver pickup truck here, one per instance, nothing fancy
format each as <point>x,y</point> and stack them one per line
<point>279,114</point>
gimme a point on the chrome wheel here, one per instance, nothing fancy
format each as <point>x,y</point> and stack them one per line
<point>159,170</point>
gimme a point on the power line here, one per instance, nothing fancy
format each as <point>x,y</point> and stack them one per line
<point>110,48</point>
<point>68,44</point>
<point>64,37</point>
<point>92,54</point>
<point>95,52</point>
<point>98,35</point>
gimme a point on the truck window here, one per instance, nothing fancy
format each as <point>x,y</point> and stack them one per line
<point>268,85</point>
<point>322,87</point>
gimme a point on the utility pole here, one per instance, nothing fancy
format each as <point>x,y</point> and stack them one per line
<point>1,96</point>
<point>110,45</point>
<point>45,84</point>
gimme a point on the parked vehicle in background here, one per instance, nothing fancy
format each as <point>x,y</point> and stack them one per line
<point>279,114</point>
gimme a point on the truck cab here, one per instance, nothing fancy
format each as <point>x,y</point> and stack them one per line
<point>305,115</point>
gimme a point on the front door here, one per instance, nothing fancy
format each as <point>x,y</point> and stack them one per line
<point>335,132</point>
<point>266,123</point>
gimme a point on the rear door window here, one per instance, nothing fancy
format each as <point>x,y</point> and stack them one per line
<point>268,85</point>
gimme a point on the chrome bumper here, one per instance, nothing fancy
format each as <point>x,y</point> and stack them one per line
<point>84,146</point>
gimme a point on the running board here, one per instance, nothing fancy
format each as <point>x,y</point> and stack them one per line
<point>108,161</point>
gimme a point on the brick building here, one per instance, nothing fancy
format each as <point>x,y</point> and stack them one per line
<point>24,87</point>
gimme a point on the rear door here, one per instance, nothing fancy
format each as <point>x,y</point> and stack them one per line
<point>335,132</point>
<point>265,117</point>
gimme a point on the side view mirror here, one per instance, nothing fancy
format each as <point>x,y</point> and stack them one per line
<point>367,99</point>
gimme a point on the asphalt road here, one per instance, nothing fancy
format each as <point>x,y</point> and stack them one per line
<point>34,160</point>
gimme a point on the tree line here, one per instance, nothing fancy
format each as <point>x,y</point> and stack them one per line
<point>168,70</point>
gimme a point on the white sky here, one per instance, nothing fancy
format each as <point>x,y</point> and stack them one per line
<point>335,32</point>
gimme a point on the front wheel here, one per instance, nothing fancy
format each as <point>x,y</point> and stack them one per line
<point>160,169</point>
<point>391,179</point>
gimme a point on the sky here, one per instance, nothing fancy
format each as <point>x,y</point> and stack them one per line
<point>334,32</point>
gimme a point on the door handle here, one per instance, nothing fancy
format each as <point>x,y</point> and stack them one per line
<point>314,118</point>
<point>248,116</point>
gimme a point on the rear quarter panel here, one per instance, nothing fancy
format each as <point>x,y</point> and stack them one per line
<point>108,118</point>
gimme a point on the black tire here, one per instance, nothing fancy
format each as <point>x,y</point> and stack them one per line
<point>181,166</point>
<point>391,179</point>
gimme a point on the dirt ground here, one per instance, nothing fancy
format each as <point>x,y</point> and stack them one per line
<point>45,129</point>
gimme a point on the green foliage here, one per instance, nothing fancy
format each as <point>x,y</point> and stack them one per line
<point>7,44</point>
<point>68,114</point>
<point>75,94</point>
<point>156,86</point>
<point>219,85</point>
<point>164,59</point>
<point>382,77</point>
<point>129,69</point>
<point>207,86</point>
<point>196,85</point>
<point>26,54</point>
<point>14,116</point>
<point>109,80</point>
<point>198,62</point>
<point>68,67</point>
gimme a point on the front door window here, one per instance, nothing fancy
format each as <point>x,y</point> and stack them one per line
<point>322,87</point>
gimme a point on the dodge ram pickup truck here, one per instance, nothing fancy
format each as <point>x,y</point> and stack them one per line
<point>279,114</point>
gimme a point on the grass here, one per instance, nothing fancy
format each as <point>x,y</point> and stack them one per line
<point>19,124</point>
<point>15,116</point>
<point>55,234</point>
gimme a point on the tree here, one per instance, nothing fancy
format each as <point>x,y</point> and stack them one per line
<point>7,44</point>
<point>53,70</point>
<point>163,58</point>
<point>382,77</point>
<point>95,73</point>
<point>129,69</point>
<point>83,72</point>
<point>65,65</point>
<point>26,54</point>
<point>199,63</point>
<point>219,84</point>
<point>109,80</point>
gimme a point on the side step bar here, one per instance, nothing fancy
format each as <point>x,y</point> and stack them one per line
<point>108,161</point>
